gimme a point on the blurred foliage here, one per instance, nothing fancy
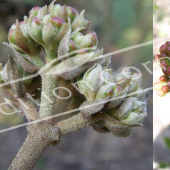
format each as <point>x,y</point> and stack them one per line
<point>164,165</point>
<point>167,142</point>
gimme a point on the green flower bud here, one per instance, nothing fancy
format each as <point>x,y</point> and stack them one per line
<point>108,77</point>
<point>91,82</point>
<point>63,13</point>
<point>123,110</point>
<point>25,29</point>
<point>117,98</point>
<point>79,21</point>
<point>51,6</point>
<point>93,77</point>
<point>41,13</point>
<point>48,33</point>
<point>135,118</point>
<point>135,83</point>
<point>130,112</point>
<point>84,41</point>
<point>36,30</point>
<point>57,9</point>
<point>20,42</point>
<point>34,11</point>
<point>72,13</point>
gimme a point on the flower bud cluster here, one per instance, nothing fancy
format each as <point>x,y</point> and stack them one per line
<point>163,86</point>
<point>110,92</point>
<point>132,111</point>
<point>62,32</point>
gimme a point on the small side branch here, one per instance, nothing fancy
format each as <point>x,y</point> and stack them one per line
<point>29,108</point>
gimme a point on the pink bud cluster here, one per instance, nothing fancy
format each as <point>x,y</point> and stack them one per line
<point>163,86</point>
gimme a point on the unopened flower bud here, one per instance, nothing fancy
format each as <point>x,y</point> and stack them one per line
<point>163,48</point>
<point>34,11</point>
<point>165,89</point>
<point>57,9</point>
<point>48,33</point>
<point>108,77</point>
<point>157,57</point>
<point>71,12</point>
<point>131,111</point>
<point>161,93</point>
<point>93,37</point>
<point>165,62</point>
<point>57,22</point>
<point>163,55</point>
<point>36,30</point>
<point>157,86</point>
<point>91,82</point>
<point>11,36</point>
<point>164,78</point>
<point>117,90</point>
<point>84,41</point>
<point>72,45</point>
<point>41,13</point>
<point>79,21</point>
<point>123,110</point>
<point>20,42</point>
<point>106,91</point>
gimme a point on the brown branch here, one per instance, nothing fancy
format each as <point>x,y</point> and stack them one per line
<point>41,135</point>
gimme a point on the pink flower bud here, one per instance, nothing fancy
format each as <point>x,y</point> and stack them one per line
<point>157,57</point>
<point>168,50</point>
<point>164,70</point>
<point>94,37</point>
<point>163,48</point>
<point>72,45</point>
<point>164,78</point>
<point>57,22</point>
<point>165,89</point>
<point>165,62</point>
<point>163,55</point>
<point>168,43</point>
<point>36,20</point>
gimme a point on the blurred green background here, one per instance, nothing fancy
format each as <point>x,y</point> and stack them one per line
<point>118,24</point>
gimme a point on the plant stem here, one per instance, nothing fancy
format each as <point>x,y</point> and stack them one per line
<point>41,135</point>
<point>48,99</point>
